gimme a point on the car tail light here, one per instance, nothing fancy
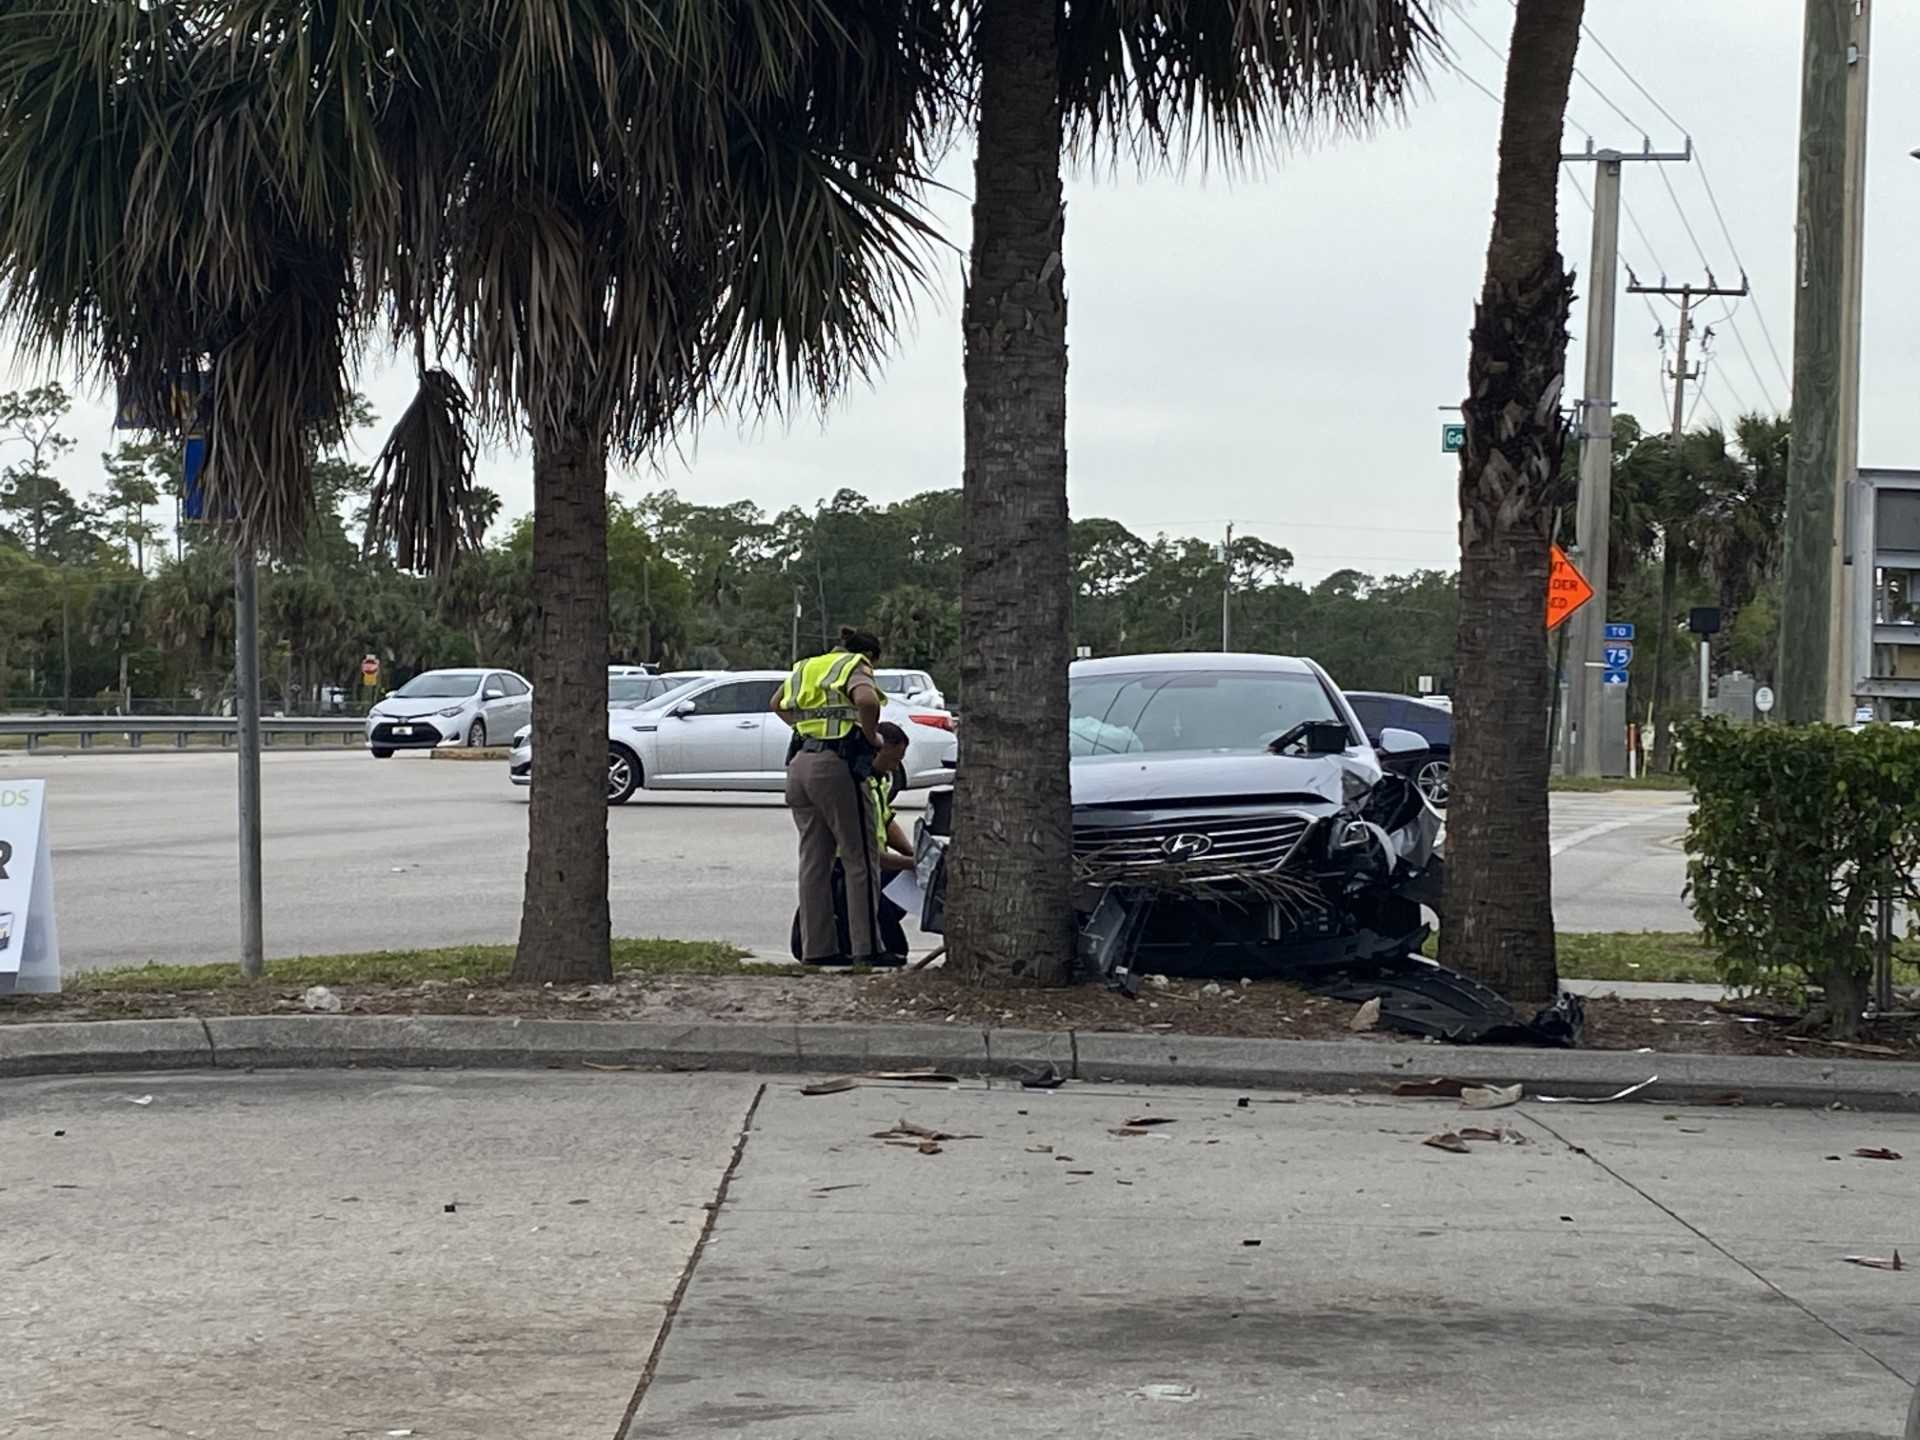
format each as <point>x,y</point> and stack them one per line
<point>937,722</point>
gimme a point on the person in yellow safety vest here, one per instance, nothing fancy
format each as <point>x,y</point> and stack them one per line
<point>891,849</point>
<point>833,705</point>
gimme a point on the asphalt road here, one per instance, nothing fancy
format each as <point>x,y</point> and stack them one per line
<point>366,855</point>
<point>489,1256</point>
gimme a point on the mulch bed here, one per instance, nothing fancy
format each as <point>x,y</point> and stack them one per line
<point>1186,1007</point>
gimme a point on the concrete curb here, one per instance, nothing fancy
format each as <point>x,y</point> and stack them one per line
<point>473,752</point>
<point>451,1041</point>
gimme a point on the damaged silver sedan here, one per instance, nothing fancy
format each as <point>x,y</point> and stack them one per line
<point>1231,819</point>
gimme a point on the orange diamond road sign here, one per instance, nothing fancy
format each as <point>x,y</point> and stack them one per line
<point>1567,589</point>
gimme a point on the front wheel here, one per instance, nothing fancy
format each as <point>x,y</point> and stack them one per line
<point>477,736</point>
<point>380,754</point>
<point>623,775</point>
<point>1432,779</point>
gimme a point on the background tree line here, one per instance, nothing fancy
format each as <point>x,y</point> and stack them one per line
<point>107,595</point>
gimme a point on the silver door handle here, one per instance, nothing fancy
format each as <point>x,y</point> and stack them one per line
<point>748,725</point>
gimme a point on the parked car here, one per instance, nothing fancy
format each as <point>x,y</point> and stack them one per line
<point>449,707</point>
<point>719,732</point>
<point>1432,723</point>
<point>916,687</point>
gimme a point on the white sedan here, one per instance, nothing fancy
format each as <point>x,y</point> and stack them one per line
<point>720,733</point>
<point>449,707</point>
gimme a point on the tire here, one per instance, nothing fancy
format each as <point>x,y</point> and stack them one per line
<point>477,736</point>
<point>379,753</point>
<point>1432,780</point>
<point>623,774</point>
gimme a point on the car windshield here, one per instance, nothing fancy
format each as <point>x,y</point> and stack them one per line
<point>630,690</point>
<point>670,697</point>
<point>1209,710</point>
<point>437,685</point>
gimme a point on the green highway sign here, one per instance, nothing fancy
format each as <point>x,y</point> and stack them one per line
<point>1453,438</point>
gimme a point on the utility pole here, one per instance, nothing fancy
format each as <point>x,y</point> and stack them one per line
<point>1840,670</point>
<point>1687,295</point>
<point>1226,592</point>
<point>1806,587</point>
<point>793,641</point>
<point>1587,642</point>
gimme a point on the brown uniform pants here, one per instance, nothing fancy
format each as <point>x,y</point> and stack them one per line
<point>832,820</point>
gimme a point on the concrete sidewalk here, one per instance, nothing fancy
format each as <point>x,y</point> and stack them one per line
<point>1303,1269</point>
<point>271,1255</point>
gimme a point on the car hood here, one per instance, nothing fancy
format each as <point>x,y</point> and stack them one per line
<point>410,708</point>
<point>1170,779</point>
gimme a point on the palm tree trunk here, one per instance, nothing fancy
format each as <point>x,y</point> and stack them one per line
<point>1498,920</point>
<point>1669,578</point>
<point>565,930</point>
<point>1010,916</point>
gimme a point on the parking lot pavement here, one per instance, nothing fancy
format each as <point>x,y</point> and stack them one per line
<point>366,855</point>
<point>275,1255</point>
<point>307,1255</point>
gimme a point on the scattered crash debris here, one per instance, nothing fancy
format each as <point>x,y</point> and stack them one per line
<point>1448,1141</point>
<point>1877,1152</point>
<point>1488,1097</point>
<point>1142,1122</point>
<point>1437,1088</point>
<point>140,1099</point>
<point>1877,1262</point>
<point>830,1087</point>
<point>1180,1394</point>
<point>1500,1136</point>
<point>1603,1099</point>
<point>1366,1017</point>
<point>1046,1077</point>
<point>320,999</point>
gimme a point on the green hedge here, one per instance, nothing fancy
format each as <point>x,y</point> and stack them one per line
<point>1794,834</point>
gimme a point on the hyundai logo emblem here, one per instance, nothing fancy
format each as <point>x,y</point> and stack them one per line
<point>1188,846</point>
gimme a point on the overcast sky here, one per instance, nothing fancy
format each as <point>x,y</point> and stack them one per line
<point>1274,352</point>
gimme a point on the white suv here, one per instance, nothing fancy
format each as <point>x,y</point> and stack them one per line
<point>720,733</point>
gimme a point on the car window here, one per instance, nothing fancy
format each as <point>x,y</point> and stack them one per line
<point>513,684</point>
<point>740,697</point>
<point>1209,710</point>
<point>1376,713</point>
<point>438,685</point>
<point>1433,724</point>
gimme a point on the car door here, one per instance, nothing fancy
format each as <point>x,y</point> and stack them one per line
<point>720,743</point>
<point>519,701</point>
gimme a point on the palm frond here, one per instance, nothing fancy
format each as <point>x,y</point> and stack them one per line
<point>1233,79</point>
<point>424,509</point>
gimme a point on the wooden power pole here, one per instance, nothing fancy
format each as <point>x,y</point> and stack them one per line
<point>1806,601</point>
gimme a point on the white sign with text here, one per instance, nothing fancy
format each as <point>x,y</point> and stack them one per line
<point>29,943</point>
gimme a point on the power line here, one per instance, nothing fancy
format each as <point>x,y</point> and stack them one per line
<point>1681,211</point>
<point>1706,181</point>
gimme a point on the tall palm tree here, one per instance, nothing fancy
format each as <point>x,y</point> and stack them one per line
<point>1498,920</point>
<point>615,214</point>
<point>1158,80</point>
<point>610,212</point>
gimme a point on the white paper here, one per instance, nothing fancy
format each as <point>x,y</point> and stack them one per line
<point>904,890</point>
<point>29,942</point>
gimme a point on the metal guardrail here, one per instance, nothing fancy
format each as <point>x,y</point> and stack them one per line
<point>351,729</point>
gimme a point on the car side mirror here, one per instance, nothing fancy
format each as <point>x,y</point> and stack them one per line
<point>683,709</point>
<point>1399,743</point>
<point>496,695</point>
<point>1327,737</point>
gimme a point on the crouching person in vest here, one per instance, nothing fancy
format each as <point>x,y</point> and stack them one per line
<point>892,850</point>
<point>833,705</point>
